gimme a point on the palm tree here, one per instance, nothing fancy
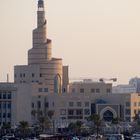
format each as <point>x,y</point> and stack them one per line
<point>50,114</point>
<point>6,127</point>
<point>44,123</point>
<point>95,118</point>
<point>23,126</point>
<point>78,127</point>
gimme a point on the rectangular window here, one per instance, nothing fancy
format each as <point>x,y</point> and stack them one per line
<point>32,105</point>
<point>79,112</point>
<point>127,111</point>
<point>70,112</point>
<point>87,112</point>
<point>9,115</point>
<point>9,105</point>
<point>33,75</point>
<point>0,96</point>
<point>38,104</point>
<point>73,90</point>
<point>40,90</point>
<point>46,90</point>
<point>92,90</point>
<point>135,111</point>
<point>127,104</point>
<point>108,90</point>
<point>4,115</point>
<point>23,74</point>
<point>71,104</point>
<point>81,90</point>
<point>4,96</point>
<point>135,103</point>
<point>139,103</point>
<point>79,104</point>
<point>97,90</point>
<point>46,104</point>
<point>86,104</point>
<point>9,96</point>
<point>4,105</point>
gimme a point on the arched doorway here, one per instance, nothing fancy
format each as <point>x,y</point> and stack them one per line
<point>108,116</point>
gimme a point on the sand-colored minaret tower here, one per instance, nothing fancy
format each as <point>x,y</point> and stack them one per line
<point>41,68</point>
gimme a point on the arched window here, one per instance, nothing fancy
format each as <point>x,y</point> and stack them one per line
<point>57,84</point>
<point>108,116</point>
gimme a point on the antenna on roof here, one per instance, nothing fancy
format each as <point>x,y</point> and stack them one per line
<point>7,78</point>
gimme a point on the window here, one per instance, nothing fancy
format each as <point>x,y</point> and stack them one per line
<point>4,96</point>
<point>70,112</point>
<point>33,75</point>
<point>64,90</point>
<point>0,96</point>
<point>20,75</point>
<point>53,104</point>
<point>139,103</point>
<point>9,96</point>
<point>46,104</point>
<point>108,90</point>
<point>135,103</point>
<point>32,105</point>
<point>71,104</point>
<point>46,90</point>
<point>87,112</point>
<point>38,104</point>
<point>9,115</point>
<point>9,105</point>
<point>92,90</point>
<point>97,90</point>
<point>23,74</point>
<point>127,111</point>
<point>86,104</point>
<point>4,115</point>
<point>81,90</point>
<point>40,90</point>
<point>79,112</point>
<point>4,105</point>
<point>79,104</point>
<point>135,111</point>
<point>73,90</point>
<point>40,74</point>
<point>127,104</point>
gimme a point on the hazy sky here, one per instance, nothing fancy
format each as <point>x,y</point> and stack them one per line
<point>96,38</point>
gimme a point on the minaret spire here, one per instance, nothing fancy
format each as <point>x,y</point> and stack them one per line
<point>40,13</point>
<point>40,4</point>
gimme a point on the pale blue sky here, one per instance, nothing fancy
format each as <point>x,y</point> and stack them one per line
<point>96,38</point>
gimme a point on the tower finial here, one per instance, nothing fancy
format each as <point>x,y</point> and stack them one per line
<point>40,4</point>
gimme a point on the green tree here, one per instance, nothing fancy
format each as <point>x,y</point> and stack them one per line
<point>23,127</point>
<point>44,123</point>
<point>95,118</point>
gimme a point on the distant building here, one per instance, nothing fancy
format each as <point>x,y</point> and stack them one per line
<point>124,89</point>
<point>136,83</point>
